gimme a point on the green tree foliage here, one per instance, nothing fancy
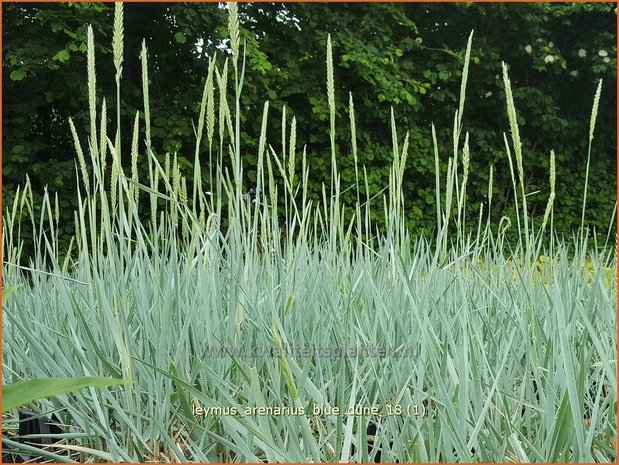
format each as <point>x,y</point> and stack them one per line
<point>406,56</point>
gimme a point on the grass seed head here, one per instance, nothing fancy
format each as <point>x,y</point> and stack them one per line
<point>80,155</point>
<point>102,140</point>
<point>92,88</point>
<point>594,110</point>
<point>513,121</point>
<point>118,39</point>
<point>330,84</point>
<point>292,149</point>
<point>134,155</point>
<point>233,30</point>
<point>490,184</point>
<point>210,102</point>
<point>466,156</point>
<point>144,61</point>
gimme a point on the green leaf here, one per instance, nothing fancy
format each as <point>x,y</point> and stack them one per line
<point>61,56</point>
<point>18,394</point>
<point>17,75</point>
<point>7,292</point>
<point>181,394</point>
<point>180,37</point>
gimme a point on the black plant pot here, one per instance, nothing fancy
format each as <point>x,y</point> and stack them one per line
<point>31,422</point>
<point>371,434</point>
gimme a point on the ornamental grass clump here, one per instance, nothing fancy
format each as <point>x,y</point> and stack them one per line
<point>211,304</point>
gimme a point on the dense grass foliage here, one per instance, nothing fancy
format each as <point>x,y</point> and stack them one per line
<point>408,56</point>
<point>224,302</point>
